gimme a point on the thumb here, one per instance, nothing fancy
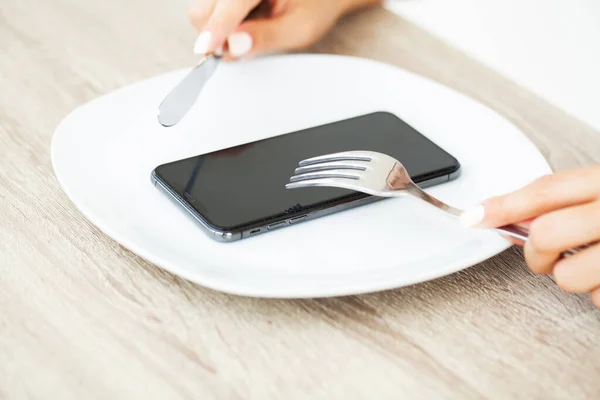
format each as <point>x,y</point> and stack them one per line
<point>544,195</point>
<point>492,214</point>
<point>287,32</point>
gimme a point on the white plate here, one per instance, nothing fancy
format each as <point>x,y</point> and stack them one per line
<point>103,154</point>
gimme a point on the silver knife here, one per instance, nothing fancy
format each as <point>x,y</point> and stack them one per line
<point>181,99</point>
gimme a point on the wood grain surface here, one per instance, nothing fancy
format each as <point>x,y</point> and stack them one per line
<point>83,318</point>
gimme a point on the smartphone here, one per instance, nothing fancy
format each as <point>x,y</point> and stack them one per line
<point>240,192</point>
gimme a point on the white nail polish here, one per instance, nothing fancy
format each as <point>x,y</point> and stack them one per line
<point>202,45</point>
<point>473,216</point>
<point>240,43</point>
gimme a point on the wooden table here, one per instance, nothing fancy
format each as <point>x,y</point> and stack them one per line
<point>83,318</point>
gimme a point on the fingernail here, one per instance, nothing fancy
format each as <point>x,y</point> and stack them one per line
<point>240,43</point>
<point>472,216</point>
<point>203,42</point>
<point>219,51</point>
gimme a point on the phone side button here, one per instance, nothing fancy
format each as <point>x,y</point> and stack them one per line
<point>298,219</point>
<point>277,225</point>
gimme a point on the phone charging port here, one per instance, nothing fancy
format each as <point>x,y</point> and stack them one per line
<point>254,232</point>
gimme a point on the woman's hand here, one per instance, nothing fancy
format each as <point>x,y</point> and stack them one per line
<point>563,212</point>
<point>288,25</point>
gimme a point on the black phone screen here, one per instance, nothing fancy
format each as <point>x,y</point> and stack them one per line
<point>245,185</point>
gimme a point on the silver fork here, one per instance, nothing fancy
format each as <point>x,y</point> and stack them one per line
<point>378,175</point>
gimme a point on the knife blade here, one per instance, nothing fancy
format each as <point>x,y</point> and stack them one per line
<point>181,99</point>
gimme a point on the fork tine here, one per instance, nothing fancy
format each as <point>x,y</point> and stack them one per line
<point>348,184</point>
<point>343,156</point>
<point>332,173</point>
<point>348,165</point>
<point>324,182</point>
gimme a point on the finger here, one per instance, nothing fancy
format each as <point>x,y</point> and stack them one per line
<point>288,32</point>
<point>567,228</point>
<point>579,273</point>
<point>241,42</point>
<point>544,195</point>
<point>538,261</point>
<point>554,233</point>
<point>200,12</point>
<point>278,7</point>
<point>515,241</point>
<point>596,297</point>
<point>226,17</point>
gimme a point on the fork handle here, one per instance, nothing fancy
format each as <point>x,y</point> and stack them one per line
<point>419,193</point>
<point>513,231</point>
<point>522,234</point>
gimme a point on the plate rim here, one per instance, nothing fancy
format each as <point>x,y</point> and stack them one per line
<point>232,287</point>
